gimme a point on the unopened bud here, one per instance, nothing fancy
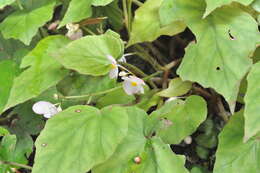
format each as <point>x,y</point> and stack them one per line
<point>188,140</point>
<point>137,160</point>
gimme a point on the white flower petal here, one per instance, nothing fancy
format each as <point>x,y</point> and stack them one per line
<point>129,89</point>
<point>123,73</point>
<point>133,85</point>
<point>59,109</point>
<point>113,73</point>
<point>47,115</point>
<point>111,59</point>
<point>41,107</point>
<point>141,89</point>
<point>45,108</point>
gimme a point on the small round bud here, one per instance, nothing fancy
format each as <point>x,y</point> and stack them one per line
<point>188,140</point>
<point>137,160</point>
<point>56,96</point>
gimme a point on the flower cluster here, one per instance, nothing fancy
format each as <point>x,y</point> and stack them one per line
<point>132,84</point>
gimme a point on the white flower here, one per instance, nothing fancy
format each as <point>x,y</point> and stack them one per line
<point>46,109</point>
<point>123,73</point>
<point>114,67</point>
<point>133,85</point>
<point>74,32</point>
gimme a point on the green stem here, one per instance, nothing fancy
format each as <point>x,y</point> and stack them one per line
<point>152,75</point>
<point>129,8</point>
<point>16,164</point>
<point>93,94</point>
<point>138,72</point>
<point>88,30</point>
<point>147,57</point>
<point>138,3</point>
<point>125,14</point>
<point>133,69</point>
<point>19,4</point>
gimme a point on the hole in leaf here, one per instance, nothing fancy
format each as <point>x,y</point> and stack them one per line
<point>230,35</point>
<point>78,110</point>
<point>44,145</point>
<point>218,68</point>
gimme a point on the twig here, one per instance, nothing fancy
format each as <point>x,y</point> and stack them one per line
<point>147,57</point>
<point>138,3</point>
<point>16,164</point>
<point>222,112</point>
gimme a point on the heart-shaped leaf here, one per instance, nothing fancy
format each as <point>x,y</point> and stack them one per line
<point>79,138</point>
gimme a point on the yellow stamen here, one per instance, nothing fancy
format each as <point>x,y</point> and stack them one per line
<point>134,84</point>
<point>113,66</point>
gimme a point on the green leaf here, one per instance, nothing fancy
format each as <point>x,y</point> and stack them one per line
<point>212,5</point>
<point>4,3</point>
<point>252,98</point>
<point>28,121</point>
<point>24,24</point>
<point>15,150</point>
<point>114,14</point>
<point>88,55</point>
<point>101,2</point>
<point>233,155</point>
<point>221,40</point>
<point>79,138</point>
<point>131,146</point>
<point>256,5</point>
<point>161,159</point>
<point>183,120</point>
<point>148,99</point>
<point>76,84</point>
<point>156,157</point>
<point>8,71</point>
<point>43,72</point>
<point>115,97</point>
<point>12,49</point>
<point>177,87</point>
<point>78,10</point>
<point>3,131</point>
<point>146,25</point>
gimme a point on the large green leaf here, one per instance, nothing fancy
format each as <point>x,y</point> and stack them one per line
<point>24,24</point>
<point>233,155</point>
<point>252,98</point>
<point>79,138</point>
<point>182,120</point>
<point>88,55</point>
<point>78,10</point>
<point>8,71</point>
<point>156,157</point>
<point>213,4</point>
<point>4,3</point>
<point>131,146</point>
<point>225,40</point>
<point>146,25</point>
<point>43,72</point>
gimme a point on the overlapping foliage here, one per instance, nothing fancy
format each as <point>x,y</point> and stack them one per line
<point>129,86</point>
